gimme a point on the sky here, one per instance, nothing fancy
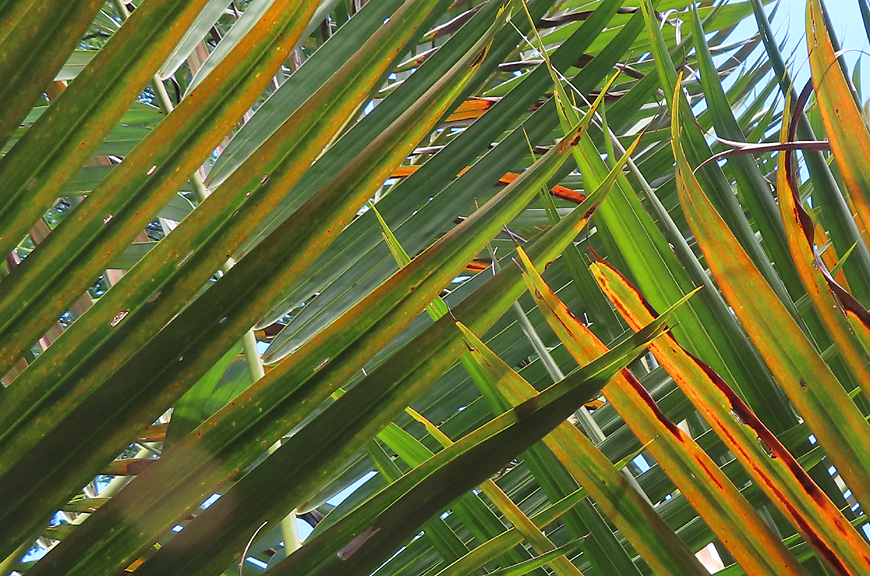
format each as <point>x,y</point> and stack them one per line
<point>847,25</point>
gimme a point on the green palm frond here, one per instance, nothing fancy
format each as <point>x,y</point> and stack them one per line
<point>375,269</point>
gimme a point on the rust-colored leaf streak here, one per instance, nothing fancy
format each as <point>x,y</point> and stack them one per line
<point>843,121</point>
<point>731,517</point>
<point>558,191</point>
<point>471,109</point>
<point>154,433</point>
<point>477,265</point>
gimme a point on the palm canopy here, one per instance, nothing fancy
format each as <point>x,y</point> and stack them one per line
<point>275,262</point>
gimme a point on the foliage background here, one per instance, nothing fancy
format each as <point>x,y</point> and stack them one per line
<point>293,330</point>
